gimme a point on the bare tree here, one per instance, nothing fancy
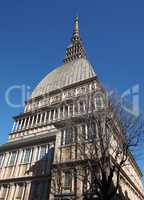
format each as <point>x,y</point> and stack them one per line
<point>104,145</point>
<point>111,137</point>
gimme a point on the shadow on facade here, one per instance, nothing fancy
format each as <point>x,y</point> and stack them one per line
<point>41,172</point>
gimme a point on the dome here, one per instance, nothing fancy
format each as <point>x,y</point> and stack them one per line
<point>65,75</point>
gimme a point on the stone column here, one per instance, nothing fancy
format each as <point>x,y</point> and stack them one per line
<point>19,159</point>
<point>2,162</point>
<point>84,106</point>
<point>11,192</point>
<point>20,126</point>
<point>45,118</point>
<point>17,124</point>
<point>32,123</point>
<point>5,164</point>
<point>95,103</point>
<point>86,130</point>
<point>47,148</point>
<point>64,136</point>
<point>90,87</point>
<point>89,104</point>
<point>31,154</point>
<point>1,191</point>
<point>7,192</point>
<point>78,107</point>
<point>49,115</point>
<point>23,190</point>
<point>13,128</point>
<point>27,191</point>
<point>68,110</point>
<point>59,113</point>
<point>16,190</point>
<point>35,152</point>
<point>41,117</point>
<point>28,124</point>
<point>24,125</point>
<point>15,164</point>
<point>63,111</point>
<point>37,118</point>
<point>74,109</point>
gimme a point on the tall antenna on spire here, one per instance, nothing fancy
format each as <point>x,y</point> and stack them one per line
<point>76,49</point>
<point>76,28</point>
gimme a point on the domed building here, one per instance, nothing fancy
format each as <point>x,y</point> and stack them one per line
<point>42,137</point>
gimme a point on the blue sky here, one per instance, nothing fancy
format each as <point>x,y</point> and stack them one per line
<point>34,35</point>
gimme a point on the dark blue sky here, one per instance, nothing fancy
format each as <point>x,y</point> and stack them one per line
<point>34,35</point>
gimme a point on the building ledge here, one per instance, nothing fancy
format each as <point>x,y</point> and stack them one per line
<point>28,141</point>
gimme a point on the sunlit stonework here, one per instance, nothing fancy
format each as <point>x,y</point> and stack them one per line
<point>40,136</point>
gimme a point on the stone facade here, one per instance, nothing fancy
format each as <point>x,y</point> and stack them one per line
<point>42,136</point>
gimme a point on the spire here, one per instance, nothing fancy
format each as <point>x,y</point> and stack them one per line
<point>76,29</point>
<point>75,50</point>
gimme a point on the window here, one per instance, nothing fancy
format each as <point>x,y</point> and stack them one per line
<point>71,109</point>
<point>83,130</point>
<point>27,156</point>
<point>56,113</point>
<point>12,158</point>
<point>52,115</point>
<point>42,152</point>
<point>61,112</point>
<point>39,117</point>
<point>47,116</point>
<point>81,106</point>
<point>99,101</point>
<point>62,137</point>
<point>27,119</point>
<point>4,191</point>
<point>75,134</point>
<point>43,117</point>
<point>67,179</point>
<point>76,107</point>
<point>66,111</point>
<point>1,159</point>
<point>92,131</point>
<point>34,120</point>
<point>19,192</point>
<point>31,118</point>
<point>67,136</point>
